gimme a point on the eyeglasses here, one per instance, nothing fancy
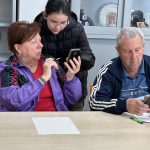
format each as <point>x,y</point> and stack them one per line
<point>55,23</point>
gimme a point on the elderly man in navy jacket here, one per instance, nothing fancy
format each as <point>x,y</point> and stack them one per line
<point>122,82</point>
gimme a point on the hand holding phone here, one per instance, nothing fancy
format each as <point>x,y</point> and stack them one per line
<point>73,63</point>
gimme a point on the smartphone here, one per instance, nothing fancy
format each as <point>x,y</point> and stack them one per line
<point>74,53</point>
<point>147,100</point>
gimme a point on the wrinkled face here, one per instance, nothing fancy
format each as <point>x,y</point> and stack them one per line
<point>56,22</point>
<point>30,50</point>
<point>131,53</point>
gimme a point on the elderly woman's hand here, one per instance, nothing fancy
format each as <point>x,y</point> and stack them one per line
<point>48,64</point>
<point>73,67</point>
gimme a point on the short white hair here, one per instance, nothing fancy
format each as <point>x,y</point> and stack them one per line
<point>129,32</point>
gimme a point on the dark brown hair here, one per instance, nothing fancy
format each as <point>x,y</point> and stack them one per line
<point>20,32</point>
<point>54,6</point>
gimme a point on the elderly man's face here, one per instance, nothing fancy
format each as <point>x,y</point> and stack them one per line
<point>131,54</point>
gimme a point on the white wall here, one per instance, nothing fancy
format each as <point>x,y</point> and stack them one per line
<point>29,9</point>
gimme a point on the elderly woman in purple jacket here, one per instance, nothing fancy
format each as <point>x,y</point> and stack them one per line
<point>29,82</point>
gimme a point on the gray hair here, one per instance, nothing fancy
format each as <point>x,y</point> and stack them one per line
<point>129,32</point>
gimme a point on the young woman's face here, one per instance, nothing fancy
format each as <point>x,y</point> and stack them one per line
<point>56,22</point>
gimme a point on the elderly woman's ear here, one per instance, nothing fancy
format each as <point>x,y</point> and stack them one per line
<point>16,46</point>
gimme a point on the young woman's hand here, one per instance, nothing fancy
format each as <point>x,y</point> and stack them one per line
<point>73,67</point>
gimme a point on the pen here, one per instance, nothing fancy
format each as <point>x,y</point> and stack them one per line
<point>137,120</point>
<point>56,59</point>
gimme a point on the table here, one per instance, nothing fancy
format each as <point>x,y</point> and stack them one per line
<point>99,131</point>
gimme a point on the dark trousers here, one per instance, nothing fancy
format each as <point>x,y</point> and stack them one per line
<point>80,104</point>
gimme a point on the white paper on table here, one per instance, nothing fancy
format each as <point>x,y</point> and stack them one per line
<point>145,117</point>
<point>54,125</point>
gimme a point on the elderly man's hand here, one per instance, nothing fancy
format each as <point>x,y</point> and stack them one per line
<point>136,106</point>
